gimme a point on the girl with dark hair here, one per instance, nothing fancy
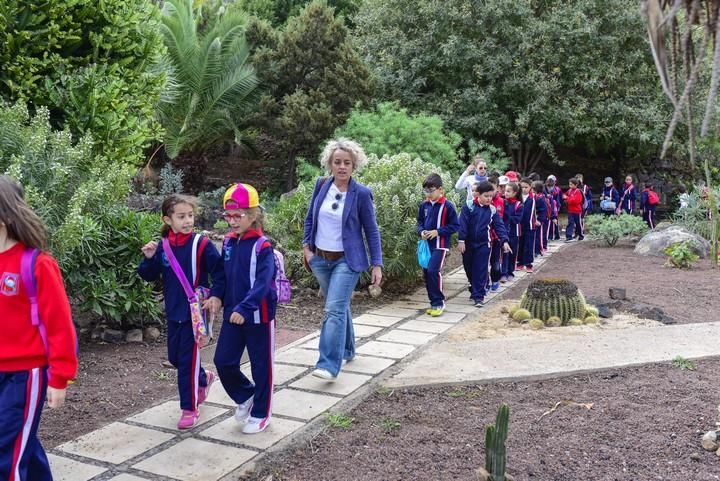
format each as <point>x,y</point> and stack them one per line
<point>38,346</point>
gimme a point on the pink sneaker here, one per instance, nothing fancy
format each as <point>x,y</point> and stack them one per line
<point>188,419</point>
<point>204,391</point>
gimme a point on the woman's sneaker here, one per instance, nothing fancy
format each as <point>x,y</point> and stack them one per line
<point>204,391</point>
<point>188,419</point>
<point>324,374</point>
<point>242,411</point>
<point>255,425</point>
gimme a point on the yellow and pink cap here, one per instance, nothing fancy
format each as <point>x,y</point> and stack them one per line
<point>241,196</point>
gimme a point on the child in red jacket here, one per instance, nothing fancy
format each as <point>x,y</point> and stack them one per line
<point>37,348</point>
<point>575,199</point>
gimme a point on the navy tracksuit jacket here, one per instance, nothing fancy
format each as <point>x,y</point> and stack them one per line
<point>183,352</point>
<point>440,216</point>
<point>542,211</point>
<point>475,226</point>
<point>249,293</point>
<point>526,245</point>
<point>512,218</point>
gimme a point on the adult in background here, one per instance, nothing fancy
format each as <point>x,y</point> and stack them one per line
<point>609,198</point>
<point>475,172</point>
<point>340,214</point>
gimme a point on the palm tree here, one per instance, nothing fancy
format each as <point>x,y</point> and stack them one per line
<point>211,88</point>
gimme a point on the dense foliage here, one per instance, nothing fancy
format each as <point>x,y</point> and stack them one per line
<point>612,228</point>
<point>95,241</point>
<point>92,63</point>
<point>528,75</point>
<point>314,77</point>
<point>277,12</point>
<point>396,182</point>
<point>389,129</point>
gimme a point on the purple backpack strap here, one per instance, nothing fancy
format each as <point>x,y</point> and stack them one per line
<point>27,274</point>
<point>175,266</point>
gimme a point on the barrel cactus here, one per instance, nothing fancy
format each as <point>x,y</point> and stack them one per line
<point>546,298</point>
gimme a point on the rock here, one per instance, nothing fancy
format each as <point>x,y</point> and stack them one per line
<point>134,335</point>
<point>483,475</point>
<point>695,457</point>
<point>151,334</point>
<point>97,333</point>
<point>112,336</point>
<point>654,243</point>
<point>604,311</point>
<point>374,290</point>
<point>710,441</point>
<point>646,311</point>
<point>717,453</point>
<point>617,293</point>
<point>83,321</point>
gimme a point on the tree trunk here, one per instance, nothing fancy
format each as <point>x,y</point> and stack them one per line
<point>710,106</point>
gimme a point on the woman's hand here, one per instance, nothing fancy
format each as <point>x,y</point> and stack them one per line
<point>461,247</point>
<point>308,254</point>
<point>376,275</point>
<point>470,169</point>
<point>55,397</point>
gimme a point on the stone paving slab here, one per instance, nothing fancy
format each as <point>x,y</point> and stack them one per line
<point>368,365</point>
<point>385,349</point>
<point>196,460</point>
<point>407,337</point>
<point>300,404</point>
<point>412,305</point>
<point>378,320</point>
<point>110,444</point>
<point>425,326</point>
<point>166,415</point>
<point>393,312</point>
<point>449,317</point>
<point>303,357</point>
<point>65,469</point>
<point>127,477</point>
<point>343,385</point>
<point>230,431</point>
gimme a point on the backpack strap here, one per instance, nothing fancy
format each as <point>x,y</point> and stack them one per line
<point>27,275</point>
<point>175,266</point>
<point>199,243</point>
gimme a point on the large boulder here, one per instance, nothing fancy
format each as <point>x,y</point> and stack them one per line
<point>654,243</point>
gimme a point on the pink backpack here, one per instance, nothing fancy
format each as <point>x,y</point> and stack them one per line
<point>280,282</point>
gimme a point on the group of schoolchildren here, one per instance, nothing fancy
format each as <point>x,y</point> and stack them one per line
<point>505,223</point>
<point>615,201</point>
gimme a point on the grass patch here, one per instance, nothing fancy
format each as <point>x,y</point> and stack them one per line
<point>684,364</point>
<point>385,391</point>
<point>457,393</point>
<point>389,424</point>
<point>339,420</point>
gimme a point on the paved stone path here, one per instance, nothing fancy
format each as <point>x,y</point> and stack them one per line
<point>148,446</point>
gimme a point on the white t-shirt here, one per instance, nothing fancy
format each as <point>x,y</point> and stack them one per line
<point>466,182</point>
<point>329,223</point>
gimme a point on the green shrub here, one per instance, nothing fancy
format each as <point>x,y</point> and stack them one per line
<point>396,183</point>
<point>614,227</point>
<point>695,216</point>
<point>92,63</point>
<point>390,129</point>
<point>681,255</point>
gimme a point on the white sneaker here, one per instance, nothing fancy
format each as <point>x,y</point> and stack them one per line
<point>255,425</point>
<point>242,412</point>
<point>324,374</point>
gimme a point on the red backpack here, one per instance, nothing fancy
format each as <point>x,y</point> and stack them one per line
<point>653,198</point>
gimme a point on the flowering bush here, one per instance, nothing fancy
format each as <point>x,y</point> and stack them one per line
<point>396,182</point>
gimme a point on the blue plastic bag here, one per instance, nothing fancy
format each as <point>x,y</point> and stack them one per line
<point>423,253</point>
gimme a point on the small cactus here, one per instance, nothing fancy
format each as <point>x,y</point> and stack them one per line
<point>591,311</point>
<point>521,315</point>
<point>545,298</point>
<point>553,321</point>
<point>495,452</point>
<point>536,323</point>
<point>513,309</point>
<point>591,320</point>
<point>575,322</point>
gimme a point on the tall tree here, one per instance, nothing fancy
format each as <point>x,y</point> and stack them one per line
<point>528,75</point>
<point>314,76</point>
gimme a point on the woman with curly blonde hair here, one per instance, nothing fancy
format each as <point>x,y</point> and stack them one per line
<point>340,215</point>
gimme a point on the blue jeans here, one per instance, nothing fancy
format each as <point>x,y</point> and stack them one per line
<point>337,336</point>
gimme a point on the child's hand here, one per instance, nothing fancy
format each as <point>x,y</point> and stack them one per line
<point>554,221</point>
<point>506,248</point>
<point>461,247</point>
<point>203,341</point>
<point>55,397</point>
<point>431,234</point>
<point>237,318</point>
<point>537,223</point>
<point>213,304</point>
<point>149,249</point>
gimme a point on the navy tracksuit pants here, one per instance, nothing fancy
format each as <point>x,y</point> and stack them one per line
<point>574,222</point>
<point>527,248</point>
<point>22,397</point>
<point>541,237</point>
<point>510,258</point>
<point>554,230</point>
<point>433,277</point>
<point>475,262</point>
<point>259,339</point>
<point>648,215</point>
<point>183,353</point>
<point>496,255</point>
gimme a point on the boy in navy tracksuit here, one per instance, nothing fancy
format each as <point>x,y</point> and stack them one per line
<point>542,211</point>
<point>474,240</point>
<point>528,225</point>
<point>183,348</point>
<point>512,218</point>
<point>436,222</point>
<point>249,314</point>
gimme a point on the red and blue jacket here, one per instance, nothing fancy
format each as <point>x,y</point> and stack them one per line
<point>478,224</point>
<point>210,266</point>
<point>527,222</point>
<point>575,201</point>
<point>628,197</point>
<point>441,216</point>
<point>248,295</point>
<point>512,217</point>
